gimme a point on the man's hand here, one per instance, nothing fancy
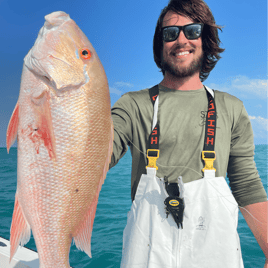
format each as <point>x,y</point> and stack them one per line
<point>256,218</point>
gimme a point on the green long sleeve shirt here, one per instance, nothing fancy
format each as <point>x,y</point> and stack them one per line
<point>182,117</point>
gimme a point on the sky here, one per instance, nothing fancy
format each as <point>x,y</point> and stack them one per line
<point>122,35</point>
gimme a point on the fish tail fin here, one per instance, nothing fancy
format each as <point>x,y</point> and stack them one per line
<point>12,128</point>
<point>83,238</point>
<point>20,231</point>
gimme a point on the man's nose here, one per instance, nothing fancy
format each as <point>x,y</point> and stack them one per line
<point>182,38</point>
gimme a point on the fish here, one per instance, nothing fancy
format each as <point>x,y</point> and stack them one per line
<point>64,131</point>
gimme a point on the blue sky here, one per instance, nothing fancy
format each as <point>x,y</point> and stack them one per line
<point>122,34</point>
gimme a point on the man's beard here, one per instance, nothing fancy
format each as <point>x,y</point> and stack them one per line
<point>180,72</point>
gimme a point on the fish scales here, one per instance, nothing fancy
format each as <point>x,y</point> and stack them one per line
<point>65,136</point>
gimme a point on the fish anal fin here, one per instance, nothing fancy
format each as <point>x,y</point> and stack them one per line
<point>20,231</point>
<point>12,129</point>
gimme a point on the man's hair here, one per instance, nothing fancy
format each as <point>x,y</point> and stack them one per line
<point>197,11</point>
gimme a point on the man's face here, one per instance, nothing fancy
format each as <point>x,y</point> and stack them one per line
<point>182,57</point>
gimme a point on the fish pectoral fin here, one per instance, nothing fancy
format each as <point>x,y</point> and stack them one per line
<point>12,129</point>
<point>44,127</point>
<point>20,231</point>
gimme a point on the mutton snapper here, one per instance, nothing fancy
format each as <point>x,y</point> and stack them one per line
<point>62,122</point>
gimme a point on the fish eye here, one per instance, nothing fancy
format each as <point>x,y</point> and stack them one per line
<point>85,53</point>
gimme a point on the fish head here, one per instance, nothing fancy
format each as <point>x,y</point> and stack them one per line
<point>60,69</point>
<point>62,57</point>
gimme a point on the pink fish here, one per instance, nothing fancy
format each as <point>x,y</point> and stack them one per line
<point>62,122</point>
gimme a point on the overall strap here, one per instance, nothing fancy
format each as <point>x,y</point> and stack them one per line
<point>153,148</point>
<point>208,153</point>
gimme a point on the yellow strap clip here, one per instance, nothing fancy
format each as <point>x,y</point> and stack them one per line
<point>152,155</point>
<point>209,159</point>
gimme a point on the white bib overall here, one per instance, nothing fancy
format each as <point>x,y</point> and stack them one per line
<point>209,237</point>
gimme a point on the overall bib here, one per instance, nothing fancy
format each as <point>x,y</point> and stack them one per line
<point>209,237</point>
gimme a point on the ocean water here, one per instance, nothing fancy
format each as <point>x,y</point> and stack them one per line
<point>111,216</point>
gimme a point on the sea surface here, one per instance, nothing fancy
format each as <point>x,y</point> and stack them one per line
<point>111,216</point>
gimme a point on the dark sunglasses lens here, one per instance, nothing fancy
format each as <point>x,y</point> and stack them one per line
<point>193,31</point>
<point>170,34</point>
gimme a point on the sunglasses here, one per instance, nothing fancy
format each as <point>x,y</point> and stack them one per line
<point>191,31</point>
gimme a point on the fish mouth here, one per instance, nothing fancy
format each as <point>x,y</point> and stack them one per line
<point>56,19</point>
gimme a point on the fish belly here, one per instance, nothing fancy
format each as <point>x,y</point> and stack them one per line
<point>59,196</point>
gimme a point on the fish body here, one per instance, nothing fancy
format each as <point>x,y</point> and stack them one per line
<point>62,122</point>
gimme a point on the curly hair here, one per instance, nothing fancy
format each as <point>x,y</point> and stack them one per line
<point>197,11</point>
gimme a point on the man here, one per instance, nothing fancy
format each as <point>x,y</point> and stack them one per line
<point>174,121</point>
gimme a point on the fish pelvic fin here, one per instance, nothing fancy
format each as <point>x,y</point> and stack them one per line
<point>12,129</point>
<point>83,237</point>
<point>20,231</point>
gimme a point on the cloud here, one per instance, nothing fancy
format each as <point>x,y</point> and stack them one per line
<point>115,91</point>
<point>244,86</point>
<point>262,122</point>
<point>122,85</point>
<point>260,128</point>
<point>258,106</point>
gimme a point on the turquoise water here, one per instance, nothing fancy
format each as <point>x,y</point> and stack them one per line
<point>111,215</point>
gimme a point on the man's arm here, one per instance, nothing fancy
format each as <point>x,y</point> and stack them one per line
<point>122,128</point>
<point>256,218</point>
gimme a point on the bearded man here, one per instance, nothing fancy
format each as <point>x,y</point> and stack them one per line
<point>184,138</point>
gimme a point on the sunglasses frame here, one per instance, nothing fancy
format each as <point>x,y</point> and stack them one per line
<point>181,28</point>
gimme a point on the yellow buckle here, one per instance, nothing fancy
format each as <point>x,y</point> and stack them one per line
<point>208,161</point>
<point>152,158</point>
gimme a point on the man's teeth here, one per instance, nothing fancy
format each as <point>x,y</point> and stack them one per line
<point>182,53</point>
